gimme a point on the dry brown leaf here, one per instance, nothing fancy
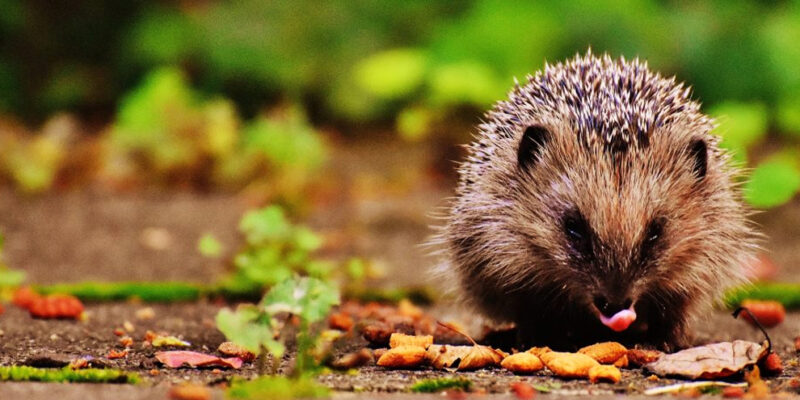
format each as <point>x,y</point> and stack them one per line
<point>480,357</point>
<point>231,349</point>
<point>640,357</point>
<point>353,360</point>
<point>605,353</point>
<point>607,373</point>
<point>522,363</point>
<point>402,357</point>
<point>712,361</point>
<point>399,339</point>
<point>569,365</point>
<point>444,356</point>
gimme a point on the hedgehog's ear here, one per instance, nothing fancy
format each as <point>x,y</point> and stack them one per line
<point>530,146</point>
<point>698,151</point>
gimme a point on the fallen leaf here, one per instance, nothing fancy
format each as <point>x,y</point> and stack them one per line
<point>522,363</point>
<point>606,352</point>
<point>712,361</point>
<point>402,357</point>
<point>445,356</point>
<point>607,373</point>
<point>177,358</point>
<point>569,365</point>
<point>159,340</point>
<point>231,349</point>
<point>399,339</point>
<point>680,387</point>
<point>480,357</point>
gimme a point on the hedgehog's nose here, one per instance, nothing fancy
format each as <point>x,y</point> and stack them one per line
<point>609,308</point>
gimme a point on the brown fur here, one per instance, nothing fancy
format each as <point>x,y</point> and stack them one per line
<point>618,151</point>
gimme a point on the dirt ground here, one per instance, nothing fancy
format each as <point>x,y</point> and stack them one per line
<point>91,235</point>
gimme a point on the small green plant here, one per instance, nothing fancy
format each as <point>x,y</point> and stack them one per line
<point>20,373</point>
<point>275,249</point>
<point>209,246</point>
<point>787,294</point>
<point>438,384</point>
<point>258,327</point>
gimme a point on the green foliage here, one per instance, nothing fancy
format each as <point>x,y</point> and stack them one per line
<point>740,125</point>
<point>787,294</point>
<point>167,132</point>
<point>391,74</point>
<point>276,388</point>
<point>275,250</point>
<point>438,384</point>
<point>257,327</point>
<point>17,373</point>
<point>772,183</point>
<point>153,292</point>
<point>209,246</point>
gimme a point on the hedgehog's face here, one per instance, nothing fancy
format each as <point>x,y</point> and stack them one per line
<point>626,227</point>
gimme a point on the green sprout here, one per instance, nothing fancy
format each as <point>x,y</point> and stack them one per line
<point>19,373</point>
<point>439,384</point>
<point>258,327</point>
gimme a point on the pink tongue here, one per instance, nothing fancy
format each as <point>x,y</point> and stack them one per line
<point>619,321</point>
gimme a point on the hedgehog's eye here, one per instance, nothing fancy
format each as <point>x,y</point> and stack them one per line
<point>652,235</point>
<point>578,231</point>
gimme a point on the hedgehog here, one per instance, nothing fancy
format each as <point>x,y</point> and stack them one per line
<point>595,204</point>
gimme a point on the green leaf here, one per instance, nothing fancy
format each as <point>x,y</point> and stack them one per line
<point>788,117</point>
<point>249,328</point>
<point>391,74</point>
<point>465,83</point>
<point>309,298</point>
<point>740,124</point>
<point>772,183</point>
<point>209,246</point>
<point>263,225</point>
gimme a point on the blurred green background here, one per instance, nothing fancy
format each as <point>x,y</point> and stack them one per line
<point>215,94</point>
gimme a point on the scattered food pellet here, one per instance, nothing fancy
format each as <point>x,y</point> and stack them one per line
<point>639,357</point>
<point>607,373</point>
<point>569,365</point>
<point>115,354</point>
<point>56,306</point>
<point>24,296</point>
<point>522,363</point>
<point>353,360</point>
<point>402,357</point>
<point>340,321</point>
<point>523,390</point>
<point>233,350</point>
<point>605,353</point>
<point>399,339</point>
<point>189,392</point>
<point>126,341</point>
<point>128,326</point>
<point>768,312</point>
<point>146,313</point>
<point>772,364</point>
<point>407,309</point>
<point>119,331</point>
<point>154,372</point>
